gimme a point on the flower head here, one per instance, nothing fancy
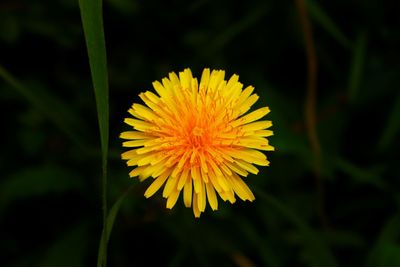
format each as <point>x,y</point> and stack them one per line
<point>197,138</point>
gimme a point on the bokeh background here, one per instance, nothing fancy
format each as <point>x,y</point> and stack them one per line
<point>347,215</point>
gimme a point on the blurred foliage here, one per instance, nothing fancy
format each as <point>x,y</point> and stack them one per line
<point>50,204</point>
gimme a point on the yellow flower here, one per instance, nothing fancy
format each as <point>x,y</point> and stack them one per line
<point>197,138</point>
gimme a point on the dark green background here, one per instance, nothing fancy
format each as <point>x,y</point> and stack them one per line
<point>50,206</point>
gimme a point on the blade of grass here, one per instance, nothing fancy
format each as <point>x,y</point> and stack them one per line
<point>237,28</point>
<point>388,236</point>
<point>115,209</point>
<point>364,176</point>
<point>322,255</point>
<point>75,241</point>
<point>110,222</point>
<point>92,21</point>
<point>264,250</point>
<point>392,127</point>
<point>356,67</point>
<point>323,20</point>
<point>51,107</point>
<point>36,181</point>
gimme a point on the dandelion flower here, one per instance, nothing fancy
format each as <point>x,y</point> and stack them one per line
<point>197,138</point>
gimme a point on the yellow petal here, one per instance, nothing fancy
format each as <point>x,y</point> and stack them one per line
<point>205,77</point>
<point>133,161</point>
<point>215,168</point>
<point>203,164</point>
<point>169,186</point>
<point>241,189</point>
<point>212,197</point>
<point>246,154</point>
<point>158,169</point>
<point>187,193</point>
<point>183,159</point>
<point>214,181</point>
<point>254,126</point>
<point>134,143</point>
<point>129,154</point>
<point>138,124</point>
<point>245,95</point>
<point>134,135</point>
<point>246,105</point>
<point>247,166</point>
<point>202,197</point>
<point>195,173</point>
<point>160,89</point>
<point>156,185</point>
<point>185,78</point>
<point>234,167</point>
<point>145,150</point>
<point>174,79</point>
<point>217,76</point>
<point>232,81</point>
<point>197,184</point>
<point>196,210</point>
<point>152,97</point>
<point>135,114</point>
<point>225,169</point>
<point>137,171</point>
<point>234,92</point>
<point>144,112</point>
<point>182,179</point>
<point>223,183</point>
<point>204,176</point>
<point>173,197</point>
<point>146,159</point>
<point>158,157</point>
<point>253,116</point>
<point>228,195</point>
<point>263,133</point>
<point>151,170</point>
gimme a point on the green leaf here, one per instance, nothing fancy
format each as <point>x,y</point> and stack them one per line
<point>265,252</point>
<point>31,182</point>
<point>357,66</point>
<point>317,252</point>
<point>92,21</point>
<point>322,19</point>
<point>344,239</point>
<point>10,30</point>
<point>392,126</point>
<point>114,211</point>
<point>237,28</point>
<point>364,176</point>
<point>125,7</point>
<point>386,251</point>
<point>69,249</point>
<point>110,221</point>
<point>51,106</point>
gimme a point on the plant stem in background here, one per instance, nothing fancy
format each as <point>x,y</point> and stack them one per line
<point>310,106</point>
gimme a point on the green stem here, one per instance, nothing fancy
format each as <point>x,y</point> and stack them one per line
<point>105,211</point>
